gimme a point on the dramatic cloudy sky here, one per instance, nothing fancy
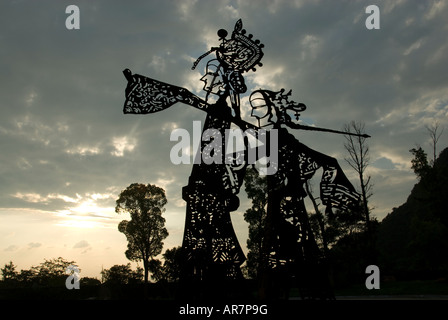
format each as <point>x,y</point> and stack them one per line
<point>67,150</point>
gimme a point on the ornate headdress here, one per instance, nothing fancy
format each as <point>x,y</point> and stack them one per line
<point>240,53</point>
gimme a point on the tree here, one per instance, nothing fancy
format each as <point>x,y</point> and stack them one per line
<point>169,271</point>
<point>89,281</point>
<point>256,189</point>
<point>27,276</point>
<point>172,264</point>
<point>9,272</point>
<point>52,271</point>
<point>156,268</point>
<point>420,163</point>
<point>358,151</point>
<point>435,136</point>
<point>122,275</point>
<point>145,231</point>
<point>49,273</point>
<point>328,230</point>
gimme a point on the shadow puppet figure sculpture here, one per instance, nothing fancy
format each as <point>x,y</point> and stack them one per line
<point>289,248</point>
<point>210,247</point>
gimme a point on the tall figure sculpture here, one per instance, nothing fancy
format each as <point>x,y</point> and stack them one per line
<point>210,247</point>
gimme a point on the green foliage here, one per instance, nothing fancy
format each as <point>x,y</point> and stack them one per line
<point>88,281</point>
<point>420,163</point>
<point>343,239</point>
<point>348,261</point>
<point>53,271</point>
<point>50,273</point>
<point>146,230</point>
<point>256,189</point>
<point>172,264</point>
<point>337,226</point>
<point>9,272</point>
<point>122,275</point>
<point>156,268</point>
<point>169,271</point>
<point>45,281</point>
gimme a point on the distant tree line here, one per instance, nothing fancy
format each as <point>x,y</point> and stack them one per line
<point>50,273</point>
<point>47,280</point>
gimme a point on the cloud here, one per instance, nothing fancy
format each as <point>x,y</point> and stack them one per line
<point>37,198</point>
<point>33,245</point>
<point>24,164</point>
<point>11,248</point>
<point>122,144</point>
<point>81,244</point>
<point>383,163</point>
<point>416,45</point>
<point>30,197</point>
<point>436,8</point>
<point>84,150</point>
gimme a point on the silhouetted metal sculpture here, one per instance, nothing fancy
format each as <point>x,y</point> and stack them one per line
<point>289,249</point>
<point>210,246</point>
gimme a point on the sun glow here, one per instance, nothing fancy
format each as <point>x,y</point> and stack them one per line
<point>87,214</point>
<point>77,223</point>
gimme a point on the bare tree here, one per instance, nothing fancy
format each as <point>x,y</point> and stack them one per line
<point>433,133</point>
<point>359,159</point>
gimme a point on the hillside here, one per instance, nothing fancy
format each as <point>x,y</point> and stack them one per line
<point>413,239</point>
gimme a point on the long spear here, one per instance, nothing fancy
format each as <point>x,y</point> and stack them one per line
<point>145,95</point>
<point>302,127</point>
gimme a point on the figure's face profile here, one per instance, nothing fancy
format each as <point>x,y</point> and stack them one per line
<point>261,109</point>
<point>213,79</point>
<point>274,108</point>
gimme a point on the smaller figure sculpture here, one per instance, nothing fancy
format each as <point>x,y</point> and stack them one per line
<point>290,249</point>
